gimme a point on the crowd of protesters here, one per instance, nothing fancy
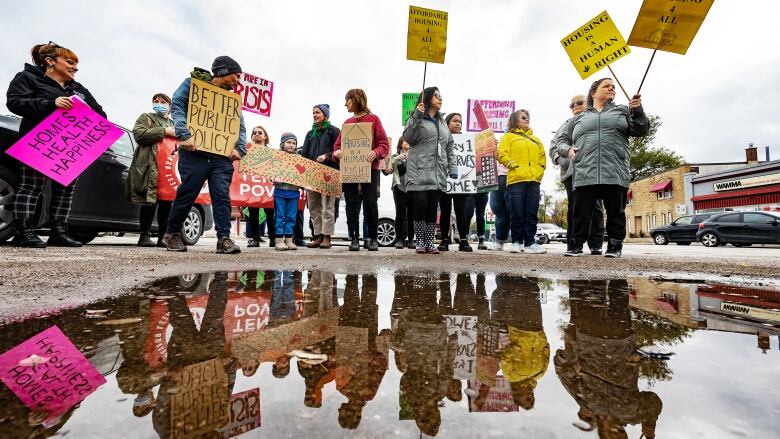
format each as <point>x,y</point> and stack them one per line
<point>591,149</point>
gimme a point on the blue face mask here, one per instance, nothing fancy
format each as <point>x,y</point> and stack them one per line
<point>161,109</point>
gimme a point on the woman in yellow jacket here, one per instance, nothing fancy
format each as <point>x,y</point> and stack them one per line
<point>523,155</point>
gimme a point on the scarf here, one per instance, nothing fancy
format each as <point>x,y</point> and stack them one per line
<point>318,128</point>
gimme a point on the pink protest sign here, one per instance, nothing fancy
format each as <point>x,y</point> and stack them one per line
<point>482,114</point>
<point>66,143</point>
<point>256,94</point>
<point>47,372</point>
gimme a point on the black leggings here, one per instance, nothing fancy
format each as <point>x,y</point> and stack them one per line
<point>477,203</point>
<point>364,194</point>
<point>146,215</point>
<point>404,226</point>
<point>425,204</point>
<point>446,202</point>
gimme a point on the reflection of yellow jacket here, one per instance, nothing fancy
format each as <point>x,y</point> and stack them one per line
<point>525,358</point>
<point>524,158</point>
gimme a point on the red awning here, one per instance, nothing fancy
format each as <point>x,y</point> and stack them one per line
<point>745,197</point>
<point>661,186</point>
<point>666,306</point>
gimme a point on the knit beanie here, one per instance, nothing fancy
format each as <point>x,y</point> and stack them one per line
<point>224,65</point>
<point>427,96</point>
<point>288,136</point>
<point>325,108</point>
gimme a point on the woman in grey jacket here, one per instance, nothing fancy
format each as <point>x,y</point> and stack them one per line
<point>429,162</point>
<point>596,142</point>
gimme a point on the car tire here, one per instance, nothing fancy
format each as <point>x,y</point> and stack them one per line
<point>543,239</point>
<point>83,235</point>
<point>684,243</point>
<point>192,227</point>
<point>385,232</point>
<point>660,239</point>
<point>8,182</point>
<point>710,239</point>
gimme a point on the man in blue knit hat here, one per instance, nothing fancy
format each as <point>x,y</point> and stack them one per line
<point>197,167</point>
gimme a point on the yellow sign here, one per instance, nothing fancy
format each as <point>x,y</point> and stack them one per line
<point>668,25</point>
<point>595,45</point>
<point>427,35</point>
<point>213,118</point>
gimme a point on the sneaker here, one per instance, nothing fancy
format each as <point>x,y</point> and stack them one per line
<point>444,246</point>
<point>535,249</point>
<point>497,246</point>
<point>227,246</point>
<point>420,250</point>
<point>516,247</point>
<point>433,251</point>
<point>174,243</point>
<point>399,245</point>
<point>574,251</point>
<point>614,249</point>
<point>596,252</point>
<point>253,243</point>
<point>482,245</point>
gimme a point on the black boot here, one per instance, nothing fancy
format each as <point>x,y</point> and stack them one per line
<point>574,249</point>
<point>614,248</point>
<point>444,246</point>
<point>365,243</point>
<point>354,246</point>
<point>145,240</point>
<point>58,236</point>
<point>373,245</point>
<point>481,245</point>
<point>464,246</point>
<point>25,236</point>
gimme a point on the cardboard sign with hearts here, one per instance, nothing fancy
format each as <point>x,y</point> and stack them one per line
<point>289,168</point>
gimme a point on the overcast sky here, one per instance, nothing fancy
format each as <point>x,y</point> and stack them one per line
<point>713,101</point>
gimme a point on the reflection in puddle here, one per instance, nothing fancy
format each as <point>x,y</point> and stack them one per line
<point>287,353</point>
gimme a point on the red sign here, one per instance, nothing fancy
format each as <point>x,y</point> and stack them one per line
<point>244,409</point>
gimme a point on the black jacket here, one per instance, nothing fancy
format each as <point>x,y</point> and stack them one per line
<point>314,147</point>
<point>31,94</point>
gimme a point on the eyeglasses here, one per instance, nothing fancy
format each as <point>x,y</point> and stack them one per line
<point>577,103</point>
<point>525,117</point>
<point>257,133</point>
<point>54,45</point>
<point>437,95</point>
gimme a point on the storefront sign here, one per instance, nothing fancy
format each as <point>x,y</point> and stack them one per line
<point>742,183</point>
<point>751,311</point>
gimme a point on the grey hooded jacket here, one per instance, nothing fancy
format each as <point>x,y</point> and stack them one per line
<point>557,159</point>
<point>601,142</point>
<point>430,159</point>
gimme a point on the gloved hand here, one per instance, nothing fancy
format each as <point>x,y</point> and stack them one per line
<point>454,175</point>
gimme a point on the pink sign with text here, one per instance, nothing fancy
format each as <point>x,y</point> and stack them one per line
<point>256,94</point>
<point>47,372</point>
<point>66,143</point>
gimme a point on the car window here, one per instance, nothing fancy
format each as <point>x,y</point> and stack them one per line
<point>731,218</point>
<point>123,146</point>
<point>756,218</point>
<point>684,221</point>
<point>701,218</point>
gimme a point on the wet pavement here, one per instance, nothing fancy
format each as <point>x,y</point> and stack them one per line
<point>283,353</point>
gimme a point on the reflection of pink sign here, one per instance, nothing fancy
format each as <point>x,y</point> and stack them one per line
<point>483,398</point>
<point>244,412</point>
<point>256,94</point>
<point>55,379</point>
<point>66,143</point>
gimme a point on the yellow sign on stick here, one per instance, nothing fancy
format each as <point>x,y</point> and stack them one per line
<point>213,118</point>
<point>595,45</point>
<point>668,25</point>
<point>427,35</point>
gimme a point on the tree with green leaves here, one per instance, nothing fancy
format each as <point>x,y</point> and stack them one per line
<point>646,159</point>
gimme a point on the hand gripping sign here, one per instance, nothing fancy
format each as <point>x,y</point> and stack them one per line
<point>66,143</point>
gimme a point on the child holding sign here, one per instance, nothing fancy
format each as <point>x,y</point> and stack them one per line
<point>286,201</point>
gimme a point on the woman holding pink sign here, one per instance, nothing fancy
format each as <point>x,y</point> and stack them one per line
<point>34,94</point>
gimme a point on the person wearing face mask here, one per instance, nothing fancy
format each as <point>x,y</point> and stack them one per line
<point>596,235</point>
<point>34,94</point>
<point>198,167</point>
<point>596,141</point>
<point>430,161</point>
<point>318,146</point>
<point>141,183</point>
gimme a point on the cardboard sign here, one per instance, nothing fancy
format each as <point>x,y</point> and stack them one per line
<point>357,141</point>
<point>408,105</point>
<point>668,25</point>
<point>427,35</point>
<point>595,45</point>
<point>486,161</point>
<point>213,118</point>
<point>496,113</point>
<point>244,410</point>
<point>246,190</point>
<point>465,362</point>
<point>66,143</point>
<point>278,165</point>
<point>256,94</point>
<point>201,403</point>
<point>47,372</point>
<point>463,148</point>
<point>497,399</point>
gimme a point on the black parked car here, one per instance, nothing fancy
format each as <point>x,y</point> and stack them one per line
<point>741,229</point>
<point>99,203</point>
<point>682,230</point>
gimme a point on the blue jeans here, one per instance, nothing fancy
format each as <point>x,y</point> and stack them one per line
<point>195,168</point>
<point>286,211</point>
<point>523,211</point>
<point>499,202</point>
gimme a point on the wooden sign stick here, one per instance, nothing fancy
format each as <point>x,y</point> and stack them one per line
<point>618,81</point>
<point>647,70</point>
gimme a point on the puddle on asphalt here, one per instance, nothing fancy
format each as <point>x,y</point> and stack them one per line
<point>291,354</point>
